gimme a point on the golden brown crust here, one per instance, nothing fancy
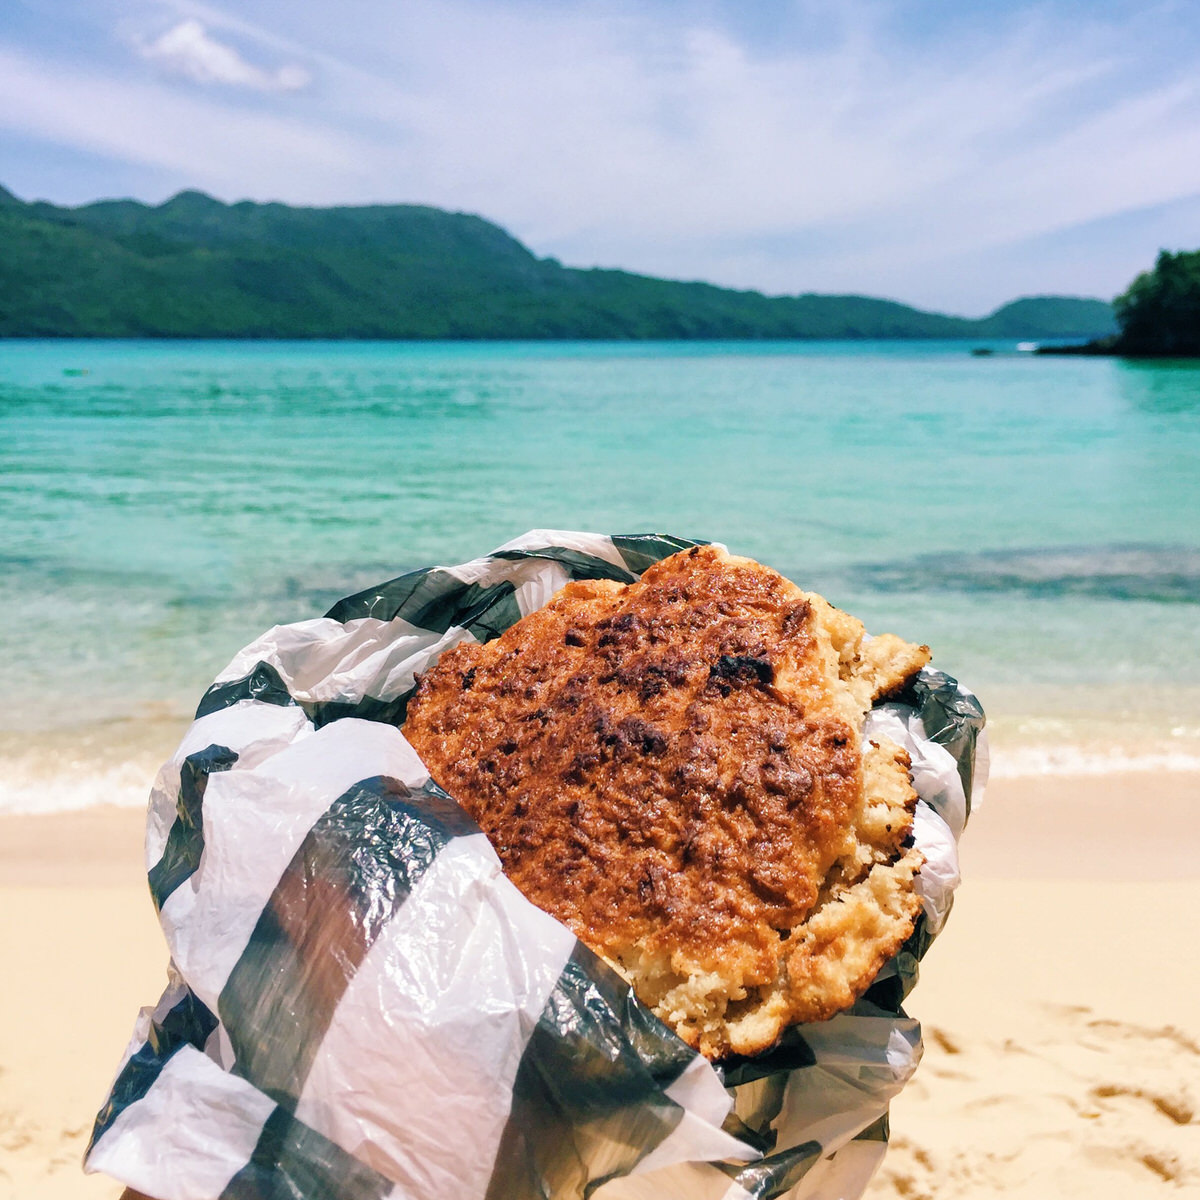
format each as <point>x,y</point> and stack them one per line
<point>673,768</point>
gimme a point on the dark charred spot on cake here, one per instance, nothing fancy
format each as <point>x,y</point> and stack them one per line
<point>796,617</point>
<point>770,885</point>
<point>620,630</point>
<point>643,736</point>
<point>652,684</point>
<point>784,778</point>
<point>698,772</point>
<point>741,788</point>
<point>573,638</point>
<point>733,669</point>
<point>468,679</point>
<point>581,765</point>
<point>604,729</point>
<point>675,669</point>
<point>630,737</point>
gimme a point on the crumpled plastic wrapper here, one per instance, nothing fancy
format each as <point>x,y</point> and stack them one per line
<point>361,1005</point>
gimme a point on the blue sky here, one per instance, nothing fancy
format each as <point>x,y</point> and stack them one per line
<point>951,155</point>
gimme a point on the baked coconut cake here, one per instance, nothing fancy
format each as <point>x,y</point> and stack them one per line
<point>674,768</point>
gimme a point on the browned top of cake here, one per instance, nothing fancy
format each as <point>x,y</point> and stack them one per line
<point>673,768</point>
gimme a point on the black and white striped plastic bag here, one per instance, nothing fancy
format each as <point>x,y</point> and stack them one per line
<point>361,1005</point>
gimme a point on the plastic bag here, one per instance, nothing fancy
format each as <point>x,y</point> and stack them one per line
<point>360,1004</point>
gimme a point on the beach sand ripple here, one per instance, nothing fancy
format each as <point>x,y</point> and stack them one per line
<point>1067,1105</point>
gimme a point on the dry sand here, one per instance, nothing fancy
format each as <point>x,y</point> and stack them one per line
<point>1061,1005</point>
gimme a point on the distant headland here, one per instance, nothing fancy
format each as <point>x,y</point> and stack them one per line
<point>194,267</point>
<point>1158,314</point>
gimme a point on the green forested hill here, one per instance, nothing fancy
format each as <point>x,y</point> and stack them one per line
<point>194,267</point>
<point>1159,313</point>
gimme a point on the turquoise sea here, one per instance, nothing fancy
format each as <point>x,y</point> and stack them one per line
<point>1035,520</point>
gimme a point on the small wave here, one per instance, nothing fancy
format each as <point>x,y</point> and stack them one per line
<point>125,786</point>
<point>1029,761</point>
<point>1168,574</point>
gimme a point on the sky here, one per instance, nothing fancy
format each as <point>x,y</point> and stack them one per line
<point>951,154</point>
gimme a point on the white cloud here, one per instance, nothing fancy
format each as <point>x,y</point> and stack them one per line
<point>188,49</point>
<point>198,138</point>
<point>681,149</point>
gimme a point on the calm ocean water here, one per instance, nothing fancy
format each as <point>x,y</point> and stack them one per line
<point>1037,521</point>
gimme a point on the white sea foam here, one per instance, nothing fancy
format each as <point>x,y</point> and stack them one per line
<point>86,765</point>
<point>1021,762</point>
<point>127,786</point>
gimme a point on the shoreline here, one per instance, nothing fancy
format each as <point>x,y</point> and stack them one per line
<point>1104,348</point>
<point>124,787</point>
<point>112,762</point>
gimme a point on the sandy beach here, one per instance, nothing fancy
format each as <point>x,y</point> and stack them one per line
<point>1059,1006</point>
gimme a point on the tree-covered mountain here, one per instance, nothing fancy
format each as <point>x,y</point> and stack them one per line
<point>1159,313</point>
<point>195,267</point>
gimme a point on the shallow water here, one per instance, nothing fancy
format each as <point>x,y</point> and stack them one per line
<point>1036,520</point>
